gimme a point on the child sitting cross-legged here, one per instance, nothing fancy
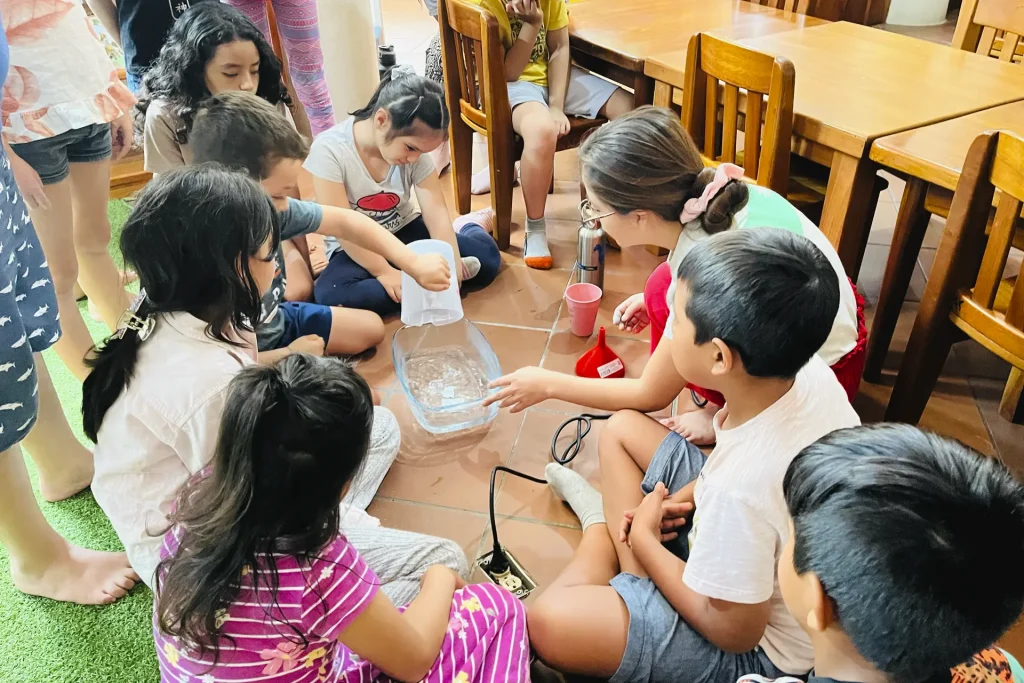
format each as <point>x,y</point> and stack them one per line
<point>378,163</point>
<point>653,595</point>
<point>259,582</point>
<point>903,560</point>
<point>202,240</point>
<point>242,131</point>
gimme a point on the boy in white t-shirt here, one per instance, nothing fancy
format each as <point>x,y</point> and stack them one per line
<point>656,597</point>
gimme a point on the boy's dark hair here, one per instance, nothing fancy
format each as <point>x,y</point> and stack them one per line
<point>178,75</point>
<point>916,539</point>
<point>293,436</point>
<point>769,294</point>
<point>189,237</point>
<point>242,131</point>
<point>407,98</point>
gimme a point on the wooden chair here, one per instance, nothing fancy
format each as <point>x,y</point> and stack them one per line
<point>991,27</point>
<point>473,58</point>
<point>988,27</point>
<point>967,293</point>
<point>830,10</point>
<point>717,71</point>
<point>802,181</point>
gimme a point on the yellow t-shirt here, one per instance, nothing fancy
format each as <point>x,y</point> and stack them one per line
<point>556,16</point>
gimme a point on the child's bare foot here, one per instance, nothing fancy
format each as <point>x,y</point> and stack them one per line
<point>86,577</point>
<point>74,476</point>
<point>696,426</point>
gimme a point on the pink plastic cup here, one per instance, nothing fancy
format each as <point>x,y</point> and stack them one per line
<point>584,300</point>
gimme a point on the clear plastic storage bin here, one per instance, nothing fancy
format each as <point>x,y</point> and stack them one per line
<point>444,372</point>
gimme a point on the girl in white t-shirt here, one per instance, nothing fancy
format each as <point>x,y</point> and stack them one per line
<point>378,163</point>
<point>647,184</point>
<point>203,241</point>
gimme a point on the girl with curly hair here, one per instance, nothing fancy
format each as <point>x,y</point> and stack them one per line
<point>211,49</point>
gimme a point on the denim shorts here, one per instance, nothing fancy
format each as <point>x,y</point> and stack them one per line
<point>50,156</point>
<point>660,646</point>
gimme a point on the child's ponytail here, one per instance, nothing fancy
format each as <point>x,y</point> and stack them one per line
<point>274,486</point>
<point>407,97</point>
<point>190,238</point>
<point>113,365</point>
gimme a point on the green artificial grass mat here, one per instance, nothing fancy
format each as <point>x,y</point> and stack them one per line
<point>42,641</point>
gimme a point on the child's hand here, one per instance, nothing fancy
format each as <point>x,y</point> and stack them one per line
<point>28,181</point>
<point>631,314</point>
<point>523,388</point>
<point>673,517</point>
<point>561,122</point>
<point>312,344</point>
<point>527,10</point>
<point>431,271</point>
<point>392,283</point>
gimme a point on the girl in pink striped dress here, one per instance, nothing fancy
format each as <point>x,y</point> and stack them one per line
<point>257,584</point>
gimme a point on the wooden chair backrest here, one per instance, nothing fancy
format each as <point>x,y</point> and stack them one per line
<point>831,10</point>
<point>711,60</point>
<point>473,59</point>
<point>988,303</point>
<point>993,28</point>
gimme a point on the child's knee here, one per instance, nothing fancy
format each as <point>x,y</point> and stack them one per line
<point>615,436</point>
<point>540,133</point>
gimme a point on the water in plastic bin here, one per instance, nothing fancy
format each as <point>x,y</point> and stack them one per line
<point>444,372</point>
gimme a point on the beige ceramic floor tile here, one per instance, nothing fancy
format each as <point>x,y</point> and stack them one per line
<point>453,470</point>
<point>519,296</point>
<point>532,453</point>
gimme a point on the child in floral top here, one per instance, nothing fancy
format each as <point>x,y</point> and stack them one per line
<point>65,116</point>
<point>258,583</point>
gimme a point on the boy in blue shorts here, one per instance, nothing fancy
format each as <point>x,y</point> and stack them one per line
<point>652,595</point>
<point>904,559</point>
<point>240,130</point>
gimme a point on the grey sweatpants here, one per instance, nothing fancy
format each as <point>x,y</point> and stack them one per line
<point>398,558</point>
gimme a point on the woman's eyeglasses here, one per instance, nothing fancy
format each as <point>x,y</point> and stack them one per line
<point>588,215</point>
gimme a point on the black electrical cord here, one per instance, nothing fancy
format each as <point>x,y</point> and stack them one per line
<point>698,400</point>
<point>499,562</point>
<point>583,422</point>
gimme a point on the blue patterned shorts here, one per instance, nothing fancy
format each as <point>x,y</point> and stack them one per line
<point>29,321</point>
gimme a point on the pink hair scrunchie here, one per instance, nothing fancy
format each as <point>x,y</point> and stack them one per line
<point>696,206</point>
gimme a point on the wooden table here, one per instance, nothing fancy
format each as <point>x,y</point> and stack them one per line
<point>614,37</point>
<point>931,157</point>
<point>855,84</point>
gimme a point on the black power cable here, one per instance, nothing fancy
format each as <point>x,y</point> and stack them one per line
<point>584,422</point>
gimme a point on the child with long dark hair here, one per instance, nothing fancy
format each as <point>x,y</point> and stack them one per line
<point>202,240</point>
<point>259,581</point>
<point>375,162</point>
<point>212,48</point>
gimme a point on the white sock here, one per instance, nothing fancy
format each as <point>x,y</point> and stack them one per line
<point>472,266</point>
<point>583,498</point>
<point>535,250</point>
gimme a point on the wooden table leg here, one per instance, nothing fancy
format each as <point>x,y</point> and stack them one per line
<point>662,95</point>
<point>643,90</point>
<point>844,218</point>
<point>911,226</point>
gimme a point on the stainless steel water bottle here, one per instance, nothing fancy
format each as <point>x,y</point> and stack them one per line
<point>590,247</point>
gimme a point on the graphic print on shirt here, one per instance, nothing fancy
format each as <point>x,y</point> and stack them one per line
<point>383,208</point>
<point>540,46</point>
<point>177,7</point>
